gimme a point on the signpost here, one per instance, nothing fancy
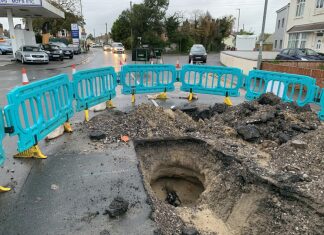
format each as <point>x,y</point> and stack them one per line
<point>74,34</point>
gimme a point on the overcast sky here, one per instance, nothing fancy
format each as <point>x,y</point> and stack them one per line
<point>98,12</point>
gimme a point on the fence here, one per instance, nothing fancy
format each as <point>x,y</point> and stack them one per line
<point>290,87</point>
<point>35,110</point>
<point>94,86</point>
<point>211,80</point>
<point>139,79</point>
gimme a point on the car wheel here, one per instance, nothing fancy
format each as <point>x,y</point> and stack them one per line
<point>205,61</point>
<point>1,53</point>
<point>71,56</point>
<point>61,59</point>
<point>22,60</point>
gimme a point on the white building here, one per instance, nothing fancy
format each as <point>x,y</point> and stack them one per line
<point>305,26</point>
<point>280,28</point>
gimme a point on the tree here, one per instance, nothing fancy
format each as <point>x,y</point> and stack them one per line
<point>90,37</point>
<point>57,25</point>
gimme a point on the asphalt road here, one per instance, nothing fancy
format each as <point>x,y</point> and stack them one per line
<point>85,179</point>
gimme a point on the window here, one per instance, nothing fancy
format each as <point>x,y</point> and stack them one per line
<point>320,4</point>
<point>280,45</point>
<point>318,44</point>
<point>297,40</point>
<point>285,52</point>
<point>275,44</point>
<point>283,22</point>
<point>292,52</point>
<point>278,24</point>
<point>300,8</point>
<point>293,40</point>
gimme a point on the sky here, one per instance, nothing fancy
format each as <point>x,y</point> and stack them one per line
<point>98,13</point>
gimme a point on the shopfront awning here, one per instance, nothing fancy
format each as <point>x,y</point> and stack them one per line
<point>30,9</point>
<point>316,27</point>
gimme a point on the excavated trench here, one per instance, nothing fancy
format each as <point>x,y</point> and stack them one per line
<point>212,192</point>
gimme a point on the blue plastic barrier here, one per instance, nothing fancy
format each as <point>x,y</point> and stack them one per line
<point>94,86</point>
<point>2,135</point>
<point>290,87</point>
<point>36,109</point>
<point>214,80</point>
<point>147,78</point>
<point>321,113</point>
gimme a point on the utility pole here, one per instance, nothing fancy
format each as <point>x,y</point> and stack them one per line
<point>238,20</point>
<point>262,34</point>
<point>106,33</point>
<point>131,8</point>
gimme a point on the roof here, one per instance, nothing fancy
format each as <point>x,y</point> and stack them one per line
<point>283,8</point>
<point>39,8</point>
<point>307,28</point>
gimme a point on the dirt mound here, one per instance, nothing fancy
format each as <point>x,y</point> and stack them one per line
<point>267,119</point>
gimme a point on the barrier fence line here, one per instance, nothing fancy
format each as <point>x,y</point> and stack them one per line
<point>290,87</point>
<point>147,78</point>
<point>213,80</point>
<point>94,86</point>
<point>36,109</point>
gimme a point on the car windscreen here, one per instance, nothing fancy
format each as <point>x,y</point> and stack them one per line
<point>198,50</point>
<point>32,49</point>
<point>60,44</point>
<point>117,45</point>
<point>311,52</point>
<point>54,47</point>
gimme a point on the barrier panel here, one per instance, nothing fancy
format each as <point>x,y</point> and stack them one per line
<point>213,80</point>
<point>290,87</point>
<point>2,135</point>
<point>147,78</point>
<point>37,109</point>
<point>321,113</point>
<point>94,86</point>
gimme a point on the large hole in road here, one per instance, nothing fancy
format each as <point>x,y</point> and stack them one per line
<point>189,181</point>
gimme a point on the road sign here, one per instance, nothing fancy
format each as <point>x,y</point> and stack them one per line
<point>21,2</point>
<point>75,31</point>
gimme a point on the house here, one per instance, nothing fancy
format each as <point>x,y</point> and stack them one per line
<point>267,44</point>
<point>280,28</point>
<point>305,26</point>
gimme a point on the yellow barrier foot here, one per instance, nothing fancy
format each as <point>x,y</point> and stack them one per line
<point>110,104</point>
<point>133,99</point>
<point>162,96</point>
<point>227,100</point>
<point>33,152</point>
<point>86,115</point>
<point>4,189</point>
<point>67,127</point>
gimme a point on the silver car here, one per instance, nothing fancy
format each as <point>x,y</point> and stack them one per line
<point>118,48</point>
<point>31,54</point>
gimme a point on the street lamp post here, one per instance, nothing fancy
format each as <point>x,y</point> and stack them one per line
<point>262,34</point>
<point>131,8</point>
<point>238,21</point>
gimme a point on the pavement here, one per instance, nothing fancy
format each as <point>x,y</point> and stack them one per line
<point>69,192</point>
<point>253,55</point>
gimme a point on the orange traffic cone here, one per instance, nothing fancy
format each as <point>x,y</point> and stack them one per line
<point>178,65</point>
<point>73,69</point>
<point>152,62</point>
<point>25,80</point>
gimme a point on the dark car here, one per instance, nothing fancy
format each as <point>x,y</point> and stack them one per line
<point>67,51</point>
<point>299,54</point>
<point>198,54</point>
<point>76,49</point>
<point>54,52</point>
<point>5,49</point>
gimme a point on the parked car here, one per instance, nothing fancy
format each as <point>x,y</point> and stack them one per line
<point>31,54</point>
<point>54,52</point>
<point>299,54</point>
<point>5,49</point>
<point>67,51</point>
<point>76,49</point>
<point>198,53</point>
<point>107,47</point>
<point>96,45</point>
<point>118,47</point>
